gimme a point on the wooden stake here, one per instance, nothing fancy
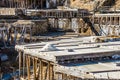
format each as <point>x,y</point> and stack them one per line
<point>24,60</point>
<point>49,71</point>
<point>19,64</point>
<point>52,72</point>
<point>30,33</point>
<point>41,70</point>
<point>28,66</point>
<point>35,68</point>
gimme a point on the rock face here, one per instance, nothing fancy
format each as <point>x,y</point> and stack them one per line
<point>84,4</point>
<point>92,4</point>
<point>117,4</point>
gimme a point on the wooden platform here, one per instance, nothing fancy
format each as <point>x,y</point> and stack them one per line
<point>65,54</point>
<point>58,13</point>
<point>78,45</point>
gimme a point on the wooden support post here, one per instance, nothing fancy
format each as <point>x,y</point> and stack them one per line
<point>15,36</point>
<point>75,78</point>
<point>110,21</point>
<point>110,26</point>
<point>19,64</point>
<point>24,34</point>
<point>34,68</point>
<point>114,20</point>
<point>106,24</point>
<point>52,72</point>
<point>78,28</point>
<point>53,22</point>
<point>46,14</point>
<point>70,23</point>
<point>28,66</point>
<point>8,33</point>
<point>41,70</point>
<point>58,76</point>
<point>56,23</point>
<point>119,21</point>
<point>60,14</point>
<point>68,77</point>
<point>64,76</point>
<point>3,38</point>
<point>49,71</point>
<point>30,33</point>
<point>24,60</point>
<point>99,24</point>
<point>101,21</point>
<point>72,77</point>
<point>38,70</point>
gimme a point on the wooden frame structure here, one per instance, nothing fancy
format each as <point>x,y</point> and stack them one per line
<point>51,62</point>
<point>109,24</point>
<point>40,4</point>
<point>13,33</point>
<point>39,69</point>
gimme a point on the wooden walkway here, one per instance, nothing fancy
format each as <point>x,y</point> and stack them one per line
<point>48,13</point>
<point>58,13</point>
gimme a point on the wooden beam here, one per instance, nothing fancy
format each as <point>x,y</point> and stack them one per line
<point>34,68</point>
<point>30,33</point>
<point>41,70</point>
<point>49,71</point>
<point>64,76</point>
<point>24,62</point>
<point>52,72</point>
<point>19,64</point>
<point>28,66</point>
<point>119,20</point>
<point>45,61</point>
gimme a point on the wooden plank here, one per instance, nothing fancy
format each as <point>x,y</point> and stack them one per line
<point>41,70</point>
<point>34,69</point>
<point>49,71</point>
<point>24,64</point>
<point>19,64</point>
<point>28,66</point>
<point>52,71</point>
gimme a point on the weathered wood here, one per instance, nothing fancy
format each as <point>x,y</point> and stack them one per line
<point>34,68</point>
<point>24,64</point>
<point>49,70</point>
<point>28,66</point>
<point>30,34</point>
<point>64,76</point>
<point>52,72</point>
<point>41,70</point>
<point>19,64</point>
